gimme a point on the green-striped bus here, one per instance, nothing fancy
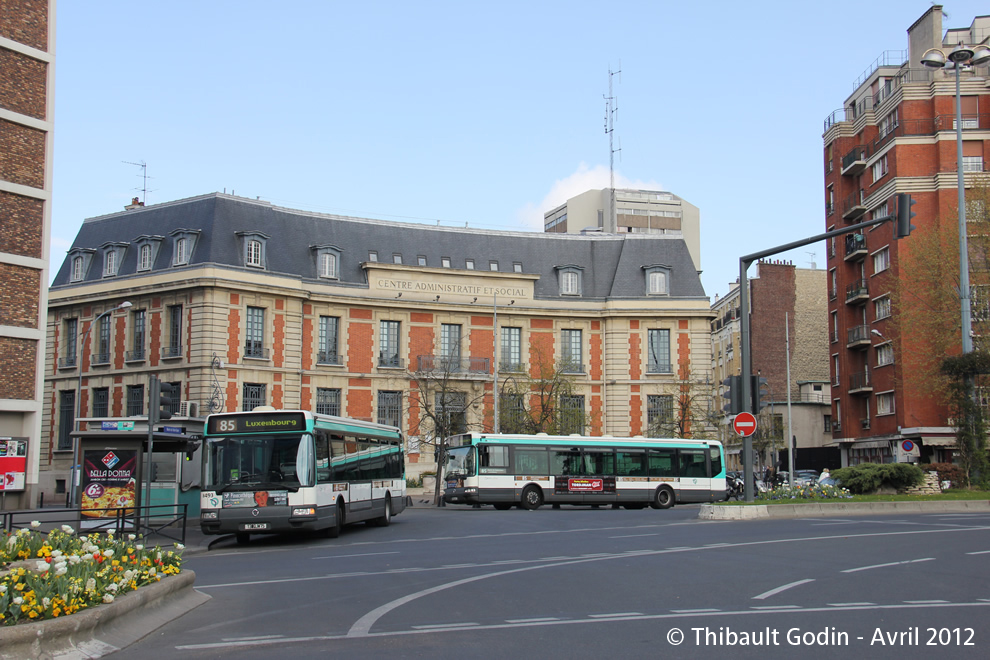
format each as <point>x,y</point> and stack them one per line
<point>270,471</point>
<point>530,470</point>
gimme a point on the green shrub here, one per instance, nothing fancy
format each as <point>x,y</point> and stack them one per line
<point>869,477</point>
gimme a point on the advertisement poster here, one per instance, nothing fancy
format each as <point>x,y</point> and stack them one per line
<point>13,463</point>
<point>108,482</point>
<point>259,498</point>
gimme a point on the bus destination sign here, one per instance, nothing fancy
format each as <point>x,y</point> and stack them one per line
<point>274,422</point>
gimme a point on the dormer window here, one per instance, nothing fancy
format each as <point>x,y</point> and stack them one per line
<point>396,258</point>
<point>254,248</point>
<point>469,264</point>
<point>144,258</point>
<point>113,254</point>
<point>147,247</point>
<point>327,261</point>
<point>569,280</point>
<point>77,269</point>
<point>657,280</point>
<point>79,259</point>
<point>183,245</point>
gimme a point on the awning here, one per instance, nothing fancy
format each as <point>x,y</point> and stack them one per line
<point>938,441</point>
<point>164,442</point>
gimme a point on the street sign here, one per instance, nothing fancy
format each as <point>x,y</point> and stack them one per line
<point>744,424</point>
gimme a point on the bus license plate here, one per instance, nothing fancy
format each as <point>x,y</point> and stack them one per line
<point>249,526</point>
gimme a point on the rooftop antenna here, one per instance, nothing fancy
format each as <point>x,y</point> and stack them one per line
<point>611,109</point>
<point>144,179</point>
<point>813,264</point>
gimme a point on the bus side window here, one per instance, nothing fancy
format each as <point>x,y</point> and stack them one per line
<point>693,463</point>
<point>565,463</point>
<point>662,463</point>
<point>493,459</point>
<point>631,464</point>
<point>530,462</point>
<point>599,463</point>
<point>322,457</point>
<point>716,458</point>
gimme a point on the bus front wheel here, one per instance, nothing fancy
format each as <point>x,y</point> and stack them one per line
<point>333,531</point>
<point>502,506</point>
<point>532,498</point>
<point>385,518</point>
<point>664,498</point>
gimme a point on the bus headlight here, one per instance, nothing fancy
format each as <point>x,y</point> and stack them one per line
<point>209,515</point>
<point>304,512</point>
<point>470,490</point>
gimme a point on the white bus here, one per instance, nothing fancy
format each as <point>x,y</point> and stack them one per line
<point>530,470</point>
<point>270,471</point>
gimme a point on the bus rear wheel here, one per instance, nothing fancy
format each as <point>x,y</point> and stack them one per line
<point>385,518</point>
<point>664,498</point>
<point>532,498</point>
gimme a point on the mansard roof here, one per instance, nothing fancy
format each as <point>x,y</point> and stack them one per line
<point>612,264</point>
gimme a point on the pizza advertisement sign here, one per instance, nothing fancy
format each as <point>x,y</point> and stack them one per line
<point>13,463</point>
<point>108,482</point>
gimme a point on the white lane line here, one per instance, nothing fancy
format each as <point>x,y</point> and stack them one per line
<point>981,552</point>
<point>251,639</point>
<point>538,619</point>
<point>366,554</point>
<point>634,536</point>
<point>774,592</point>
<point>776,607</point>
<point>283,641</point>
<point>893,563</point>
<point>700,610</point>
<point>613,615</point>
<point>850,604</point>
<point>926,602</point>
<point>439,626</point>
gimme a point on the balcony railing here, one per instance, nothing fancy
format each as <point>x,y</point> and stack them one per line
<point>859,383</point>
<point>857,291</point>
<point>67,362</point>
<point>854,162</point>
<point>134,356</point>
<point>391,361</point>
<point>510,367</point>
<point>453,365</point>
<point>171,352</point>
<point>658,368</point>
<point>855,247</point>
<point>853,207</point>
<point>858,336</point>
<point>99,358</point>
<point>328,357</point>
<point>568,367</point>
<point>255,350</point>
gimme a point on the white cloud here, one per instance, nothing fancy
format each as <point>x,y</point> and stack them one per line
<point>583,179</point>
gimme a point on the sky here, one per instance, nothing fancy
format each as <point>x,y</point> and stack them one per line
<point>462,113</point>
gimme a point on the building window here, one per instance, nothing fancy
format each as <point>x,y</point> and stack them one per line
<point>327,401</point>
<point>175,405</point>
<point>658,349</point>
<point>452,407</point>
<point>450,346</point>
<point>835,327</point>
<point>253,253</point>
<point>396,258</point>
<point>421,260</point>
<point>657,280</point>
<point>881,307</point>
<point>373,256</point>
<point>888,123</point>
<point>659,409</point>
<point>328,265</point>
<point>254,335</point>
<point>254,396</point>
<point>885,354</point>
<point>881,260</point>
<point>828,423</point>
<point>390,408</point>
<point>329,327</point>
<point>77,269</point>
<point>135,400</point>
<point>181,251</point>
<point>110,263</point>
<point>571,415</point>
<point>972,163</point>
<point>516,267</point>
<point>102,355</point>
<point>511,349</point>
<point>388,353</point>
<point>880,211</point>
<point>493,265</point>
<point>835,371</point>
<point>71,338</point>
<point>174,348</point>
<point>570,352</point>
<point>512,413</point>
<point>66,418</point>
<point>144,258</point>
<point>880,168</point>
<point>101,402</point>
<point>469,264</point>
<point>569,281</point>
<point>885,403</point>
<point>445,262</point>
<point>137,335</point>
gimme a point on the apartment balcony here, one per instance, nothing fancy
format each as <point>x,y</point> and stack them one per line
<point>855,247</point>
<point>857,292</point>
<point>858,337</point>
<point>67,362</point>
<point>455,366</point>
<point>387,361</point>
<point>171,352</point>
<point>255,351</point>
<point>510,367</point>
<point>854,162</point>
<point>331,358</point>
<point>859,383</point>
<point>99,359</point>
<point>135,356</point>
<point>853,207</point>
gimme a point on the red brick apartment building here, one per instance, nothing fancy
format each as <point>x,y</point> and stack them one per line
<point>894,134</point>
<point>27,75</point>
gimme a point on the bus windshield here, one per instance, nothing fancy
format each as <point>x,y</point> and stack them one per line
<point>460,462</point>
<point>260,461</point>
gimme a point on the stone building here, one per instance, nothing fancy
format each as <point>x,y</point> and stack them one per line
<point>240,303</point>
<point>27,77</point>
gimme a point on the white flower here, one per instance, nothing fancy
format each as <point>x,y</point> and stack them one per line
<point>112,587</point>
<point>107,598</point>
<point>74,559</point>
<point>90,584</point>
<point>11,542</point>
<point>152,571</point>
<point>108,552</point>
<point>110,533</point>
<point>3,589</point>
<point>46,601</point>
<point>56,553</point>
<point>18,600</point>
<point>35,524</point>
<point>131,537</point>
<point>139,546</point>
<point>179,546</point>
<point>41,566</point>
<point>68,530</point>
<point>159,555</point>
<point>61,570</point>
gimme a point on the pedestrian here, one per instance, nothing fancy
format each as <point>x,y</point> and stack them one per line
<point>823,476</point>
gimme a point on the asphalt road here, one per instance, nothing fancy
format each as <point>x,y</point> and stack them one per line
<point>458,582</point>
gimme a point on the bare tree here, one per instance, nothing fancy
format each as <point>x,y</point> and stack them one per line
<point>543,400</point>
<point>684,408</point>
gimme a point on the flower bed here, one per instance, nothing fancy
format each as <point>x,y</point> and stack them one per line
<point>45,576</point>
<point>813,491</point>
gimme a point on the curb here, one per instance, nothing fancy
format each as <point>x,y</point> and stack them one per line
<point>831,509</point>
<point>98,631</point>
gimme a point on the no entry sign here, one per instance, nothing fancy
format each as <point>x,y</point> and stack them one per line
<point>744,424</point>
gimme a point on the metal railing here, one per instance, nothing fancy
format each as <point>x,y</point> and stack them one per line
<point>167,521</point>
<point>134,356</point>
<point>391,361</point>
<point>171,351</point>
<point>328,357</point>
<point>456,365</point>
<point>858,333</point>
<point>857,289</point>
<point>67,362</point>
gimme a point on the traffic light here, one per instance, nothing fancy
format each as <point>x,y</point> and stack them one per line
<point>758,390</point>
<point>160,400</point>
<point>904,214</point>
<point>733,393</point>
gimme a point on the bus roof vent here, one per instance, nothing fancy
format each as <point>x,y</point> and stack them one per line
<point>263,409</point>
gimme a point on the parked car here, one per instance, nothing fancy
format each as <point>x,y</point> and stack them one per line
<point>804,477</point>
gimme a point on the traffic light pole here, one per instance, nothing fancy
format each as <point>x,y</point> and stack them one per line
<point>747,362</point>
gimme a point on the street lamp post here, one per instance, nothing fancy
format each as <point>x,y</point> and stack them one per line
<point>75,443</point>
<point>957,57</point>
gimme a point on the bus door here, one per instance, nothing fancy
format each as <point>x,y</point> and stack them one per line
<point>663,470</point>
<point>598,472</point>
<point>693,469</point>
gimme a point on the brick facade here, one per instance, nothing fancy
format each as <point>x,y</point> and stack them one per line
<point>21,220</point>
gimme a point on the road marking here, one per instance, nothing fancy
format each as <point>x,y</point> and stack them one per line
<point>251,639</point>
<point>366,554</point>
<point>774,592</point>
<point>634,536</point>
<point>981,552</point>
<point>893,563</point>
<point>925,602</point>
<point>439,626</point>
<point>700,610</point>
<point>849,604</point>
<point>539,619</point>
<point>612,616</point>
<point>776,607</point>
<point>690,616</point>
